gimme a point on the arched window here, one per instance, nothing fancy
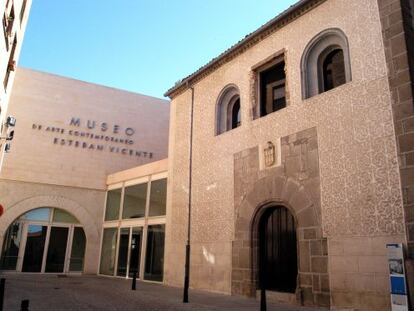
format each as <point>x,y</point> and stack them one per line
<point>228,113</point>
<point>325,63</point>
<point>44,240</point>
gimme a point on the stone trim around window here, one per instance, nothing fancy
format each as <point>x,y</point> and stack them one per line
<point>224,106</point>
<point>327,40</point>
<point>254,77</point>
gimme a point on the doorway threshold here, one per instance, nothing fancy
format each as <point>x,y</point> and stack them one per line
<point>278,297</point>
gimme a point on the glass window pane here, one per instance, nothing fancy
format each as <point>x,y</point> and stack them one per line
<point>63,216</point>
<point>154,261</point>
<point>158,197</point>
<point>134,201</point>
<point>135,256</point>
<point>78,250</point>
<point>113,202</point>
<point>11,246</point>
<point>38,214</point>
<point>272,89</point>
<point>56,253</point>
<point>334,70</point>
<point>33,252</point>
<point>108,251</point>
<point>123,252</point>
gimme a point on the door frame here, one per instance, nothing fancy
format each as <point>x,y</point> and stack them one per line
<point>260,210</point>
<point>142,245</point>
<point>49,225</point>
<point>262,233</point>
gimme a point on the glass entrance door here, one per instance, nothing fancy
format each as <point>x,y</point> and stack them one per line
<point>129,251</point>
<point>123,252</point>
<point>44,240</point>
<point>135,256</point>
<point>56,254</point>
<point>78,250</point>
<point>35,244</point>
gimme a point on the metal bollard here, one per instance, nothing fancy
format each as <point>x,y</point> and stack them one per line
<point>2,285</point>
<point>134,281</point>
<point>263,305</point>
<point>25,305</point>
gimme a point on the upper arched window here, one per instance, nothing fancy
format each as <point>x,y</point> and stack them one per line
<point>228,110</point>
<point>325,63</point>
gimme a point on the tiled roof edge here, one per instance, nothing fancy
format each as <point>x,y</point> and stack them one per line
<point>281,20</point>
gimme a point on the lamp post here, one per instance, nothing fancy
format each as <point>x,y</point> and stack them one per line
<point>187,247</point>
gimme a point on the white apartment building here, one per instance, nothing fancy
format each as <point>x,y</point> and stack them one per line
<point>14,15</point>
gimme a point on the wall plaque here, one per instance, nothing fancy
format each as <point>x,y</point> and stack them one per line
<point>269,154</point>
<point>398,284</point>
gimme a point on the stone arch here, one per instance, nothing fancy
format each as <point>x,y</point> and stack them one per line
<point>280,190</point>
<point>85,218</point>
<point>321,45</point>
<point>225,103</point>
<point>277,189</point>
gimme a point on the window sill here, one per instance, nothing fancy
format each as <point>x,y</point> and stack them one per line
<point>327,92</point>
<point>229,131</point>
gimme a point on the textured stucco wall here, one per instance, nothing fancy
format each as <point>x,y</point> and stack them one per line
<point>360,188</point>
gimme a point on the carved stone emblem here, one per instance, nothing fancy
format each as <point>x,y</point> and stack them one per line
<point>269,154</point>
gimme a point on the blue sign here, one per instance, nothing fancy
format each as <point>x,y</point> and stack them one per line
<point>398,285</point>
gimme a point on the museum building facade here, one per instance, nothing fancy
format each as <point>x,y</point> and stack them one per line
<point>70,137</point>
<point>295,144</point>
<point>290,165</point>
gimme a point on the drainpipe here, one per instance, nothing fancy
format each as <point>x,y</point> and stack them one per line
<point>187,247</point>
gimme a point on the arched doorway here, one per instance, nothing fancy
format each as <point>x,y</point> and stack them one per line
<point>278,268</point>
<point>45,240</point>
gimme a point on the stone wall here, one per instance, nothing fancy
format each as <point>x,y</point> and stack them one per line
<point>295,185</point>
<point>359,272</point>
<point>398,36</point>
<point>360,192</point>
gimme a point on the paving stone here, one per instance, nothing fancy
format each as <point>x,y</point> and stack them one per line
<point>49,292</point>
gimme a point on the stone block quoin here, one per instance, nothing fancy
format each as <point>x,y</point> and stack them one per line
<point>397,20</point>
<point>398,36</point>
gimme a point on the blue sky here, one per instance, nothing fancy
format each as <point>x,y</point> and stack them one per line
<point>143,46</point>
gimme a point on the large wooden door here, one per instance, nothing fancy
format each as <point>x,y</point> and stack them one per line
<point>278,250</point>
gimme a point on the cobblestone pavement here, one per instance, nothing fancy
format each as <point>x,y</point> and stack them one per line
<point>52,293</point>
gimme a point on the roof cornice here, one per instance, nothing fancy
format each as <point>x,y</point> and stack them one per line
<point>280,21</point>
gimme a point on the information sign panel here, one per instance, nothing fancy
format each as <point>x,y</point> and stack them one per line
<point>398,284</point>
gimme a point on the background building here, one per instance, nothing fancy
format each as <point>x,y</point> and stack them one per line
<point>301,163</point>
<point>14,15</point>
<point>70,136</point>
